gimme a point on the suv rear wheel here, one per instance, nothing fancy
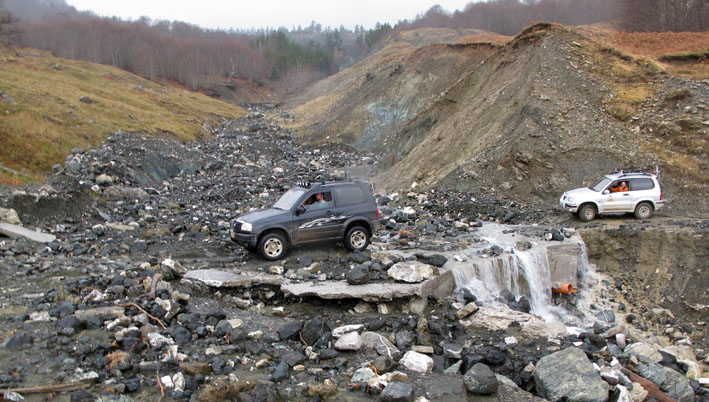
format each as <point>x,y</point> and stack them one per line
<point>587,212</point>
<point>643,210</point>
<point>273,246</point>
<point>357,238</point>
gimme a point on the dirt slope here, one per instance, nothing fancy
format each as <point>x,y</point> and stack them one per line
<point>367,103</point>
<point>553,110</point>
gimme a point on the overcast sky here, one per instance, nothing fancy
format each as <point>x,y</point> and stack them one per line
<point>239,14</point>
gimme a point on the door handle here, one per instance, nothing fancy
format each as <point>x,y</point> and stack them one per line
<point>626,195</point>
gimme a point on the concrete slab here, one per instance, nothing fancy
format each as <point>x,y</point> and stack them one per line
<point>372,292</point>
<point>441,284</point>
<point>15,231</point>
<point>223,279</point>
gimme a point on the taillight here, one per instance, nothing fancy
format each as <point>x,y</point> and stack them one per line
<point>378,210</point>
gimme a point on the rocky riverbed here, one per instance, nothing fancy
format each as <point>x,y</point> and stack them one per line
<point>107,310</point>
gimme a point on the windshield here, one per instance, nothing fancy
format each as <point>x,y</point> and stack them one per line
<point>601,184</point>
<point>289,199</point>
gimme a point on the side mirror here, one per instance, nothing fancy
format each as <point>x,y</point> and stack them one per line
<point>605,192</point>
<point>300,210</point>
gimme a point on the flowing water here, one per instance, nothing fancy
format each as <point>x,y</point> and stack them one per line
<point>523,272</point>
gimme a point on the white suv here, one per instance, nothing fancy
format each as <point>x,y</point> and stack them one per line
<point>618,193</point>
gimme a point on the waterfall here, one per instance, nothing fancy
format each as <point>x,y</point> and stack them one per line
<point>522,273</point>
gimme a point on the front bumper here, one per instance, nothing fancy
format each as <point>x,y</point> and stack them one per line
<point>244,239</point>
<point>565,205</point>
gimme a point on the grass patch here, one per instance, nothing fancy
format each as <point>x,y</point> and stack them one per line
<point>700,55</point>
<point>48,119</point>
<point>626,99</point>
<point>679,94</point>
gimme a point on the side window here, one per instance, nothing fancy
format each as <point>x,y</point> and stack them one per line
<point>641,184</point>
<point>349,195</point>
<point>318,200</point>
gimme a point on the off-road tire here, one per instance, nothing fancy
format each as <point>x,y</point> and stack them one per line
<point>587,212</point>
<point>273,246</point>
<point>357,238</point>
<point>644,210</point>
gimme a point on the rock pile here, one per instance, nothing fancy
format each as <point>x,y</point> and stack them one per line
<point>104,311</point>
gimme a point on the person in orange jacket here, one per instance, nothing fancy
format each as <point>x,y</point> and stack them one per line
<point>620,187</point>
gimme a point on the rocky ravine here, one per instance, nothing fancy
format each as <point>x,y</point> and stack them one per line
<point>102,311</point>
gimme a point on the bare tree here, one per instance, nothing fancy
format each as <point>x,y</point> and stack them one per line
<point>9,27</point>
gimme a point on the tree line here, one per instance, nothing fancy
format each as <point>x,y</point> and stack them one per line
<point>287,60</point>
<point>509,17</point>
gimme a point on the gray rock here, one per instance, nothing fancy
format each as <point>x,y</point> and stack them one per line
<point>673,383</point>
<point>117,193</point>
<point>313,330</point>
<point>381,345</point>
<point>453,350</point>
<point>290,330</point>
<point>362,375</point>
<point>397,392</point>
<point>281,372</point>
<point>358,275</point>
<point>404,339</point>
<point>349,341</point>
<point>17,341</point>
<point>480,380</point>
<point>569,375</point>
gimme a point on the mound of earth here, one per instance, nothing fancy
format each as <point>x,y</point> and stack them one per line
<point>364,105</point>
<point>552,110</point>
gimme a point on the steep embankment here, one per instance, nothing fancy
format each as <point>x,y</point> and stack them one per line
<point>553,110</point>
<point>666,268</point>
<point>367,103</point>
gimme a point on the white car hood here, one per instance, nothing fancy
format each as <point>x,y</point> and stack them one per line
<point>581,193</point>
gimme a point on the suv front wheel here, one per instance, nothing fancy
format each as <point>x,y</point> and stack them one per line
<point>273,246</point>
<point>357,238</point>
<point>587,212</point>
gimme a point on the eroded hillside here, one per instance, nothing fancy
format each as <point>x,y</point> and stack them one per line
<point>553,109</point>
<point>366,104</point>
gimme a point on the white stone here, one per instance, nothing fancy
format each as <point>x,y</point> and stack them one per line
<point>624,394</point>
<point>167,382</point>
<point>276,270</point>
<point>235,323</point>
<point>410,271</point>
<point>340,331</point>
<point>349,341</point>
<point>621,341</point>
<point>417,362</point>
<point>638,393</point>
<point>255,334</point>
<point>510,341</point>
<point>179,380</point>
<point>156,340</point>
<point>40,316</point>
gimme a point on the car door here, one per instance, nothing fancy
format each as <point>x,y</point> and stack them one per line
<point>616,201</point>
<point>315,219</point>
<point>641,189</point>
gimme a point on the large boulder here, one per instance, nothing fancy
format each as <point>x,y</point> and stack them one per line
<point>673,383</point>
<point>568,375</point>
<point>480,380</point>
<point>417,362</point>
<point>410,271</point>
<point>381,344</point>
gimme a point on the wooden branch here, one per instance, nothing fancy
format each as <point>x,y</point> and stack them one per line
<point>145,312</point>
<point>45,389</point>
<point>653,391</point>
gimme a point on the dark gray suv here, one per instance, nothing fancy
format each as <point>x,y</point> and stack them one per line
<point>343,211</point>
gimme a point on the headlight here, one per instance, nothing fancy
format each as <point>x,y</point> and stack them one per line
<point>246,227</point>
<point>570,200</point>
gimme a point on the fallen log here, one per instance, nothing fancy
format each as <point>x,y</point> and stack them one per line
<point>653,391</point>
<point>45,389</point>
